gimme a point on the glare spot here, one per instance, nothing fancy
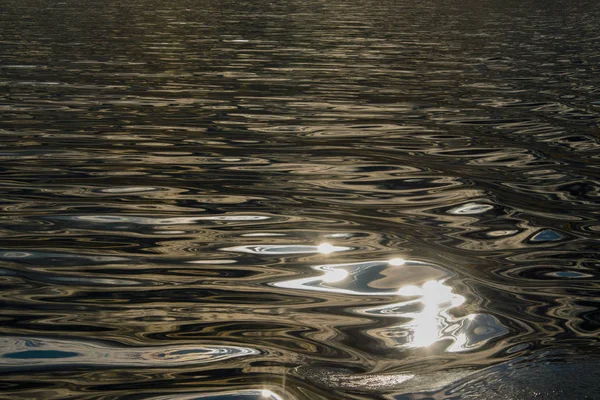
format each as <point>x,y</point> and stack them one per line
<point>426,327</point>
<point>435,293</point>
<point>334,275</point>
<point>325,248</point>
<point>409,291</point>
<point>396,262</point>
<point>436,297</point>
<point>471,208</point>
<point>267,394</point>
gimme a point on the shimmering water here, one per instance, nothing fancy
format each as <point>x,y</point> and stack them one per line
<point>299,199</point>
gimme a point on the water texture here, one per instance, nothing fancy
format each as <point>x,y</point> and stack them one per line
<point>294,200</point>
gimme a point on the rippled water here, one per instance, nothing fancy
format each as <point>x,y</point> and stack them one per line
<point>299,199</point>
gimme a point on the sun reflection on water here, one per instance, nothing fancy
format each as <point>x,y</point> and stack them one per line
<point>428,324</point>
<point>397,262</point>
<point>420,307</point>
<point>326,248</point>
<point>334,275</point>
<point>269,395</point>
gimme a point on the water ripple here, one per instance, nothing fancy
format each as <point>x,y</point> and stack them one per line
<point>23,352</point>
<point>299,200</point>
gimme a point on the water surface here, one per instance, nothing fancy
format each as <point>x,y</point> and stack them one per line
<point>299,199</point>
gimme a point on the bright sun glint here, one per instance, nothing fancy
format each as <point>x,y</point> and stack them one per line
<point>334,275</point>
<point>435,297</point>
<point>325,248</point>
<point>267,394</point>
<point>396,262</point>
<point>410,290</point>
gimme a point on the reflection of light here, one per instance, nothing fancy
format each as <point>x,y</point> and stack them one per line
<point>435,293</point>
<point>436,297</point>
<point>426,326</point>
<point>396,262</point>
<point>325,248</point>
<point>334,275</point>
<point>409,291</point>
<point>460,344</point>
<point>267,394</point>
<point>457,301</point>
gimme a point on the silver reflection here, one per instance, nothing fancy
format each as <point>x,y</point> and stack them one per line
<point>427,325</point>
<point>323,248</point>
<point>369,278</point>
<point>420,298</point>
<point>428,312</point>
<point>21,352</point>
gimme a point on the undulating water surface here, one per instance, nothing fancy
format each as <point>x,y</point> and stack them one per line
<point>289,200</point>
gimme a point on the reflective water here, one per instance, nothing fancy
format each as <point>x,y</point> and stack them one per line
<point>299,199</point>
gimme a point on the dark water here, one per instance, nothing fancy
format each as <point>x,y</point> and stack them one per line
<point>299,199</point>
